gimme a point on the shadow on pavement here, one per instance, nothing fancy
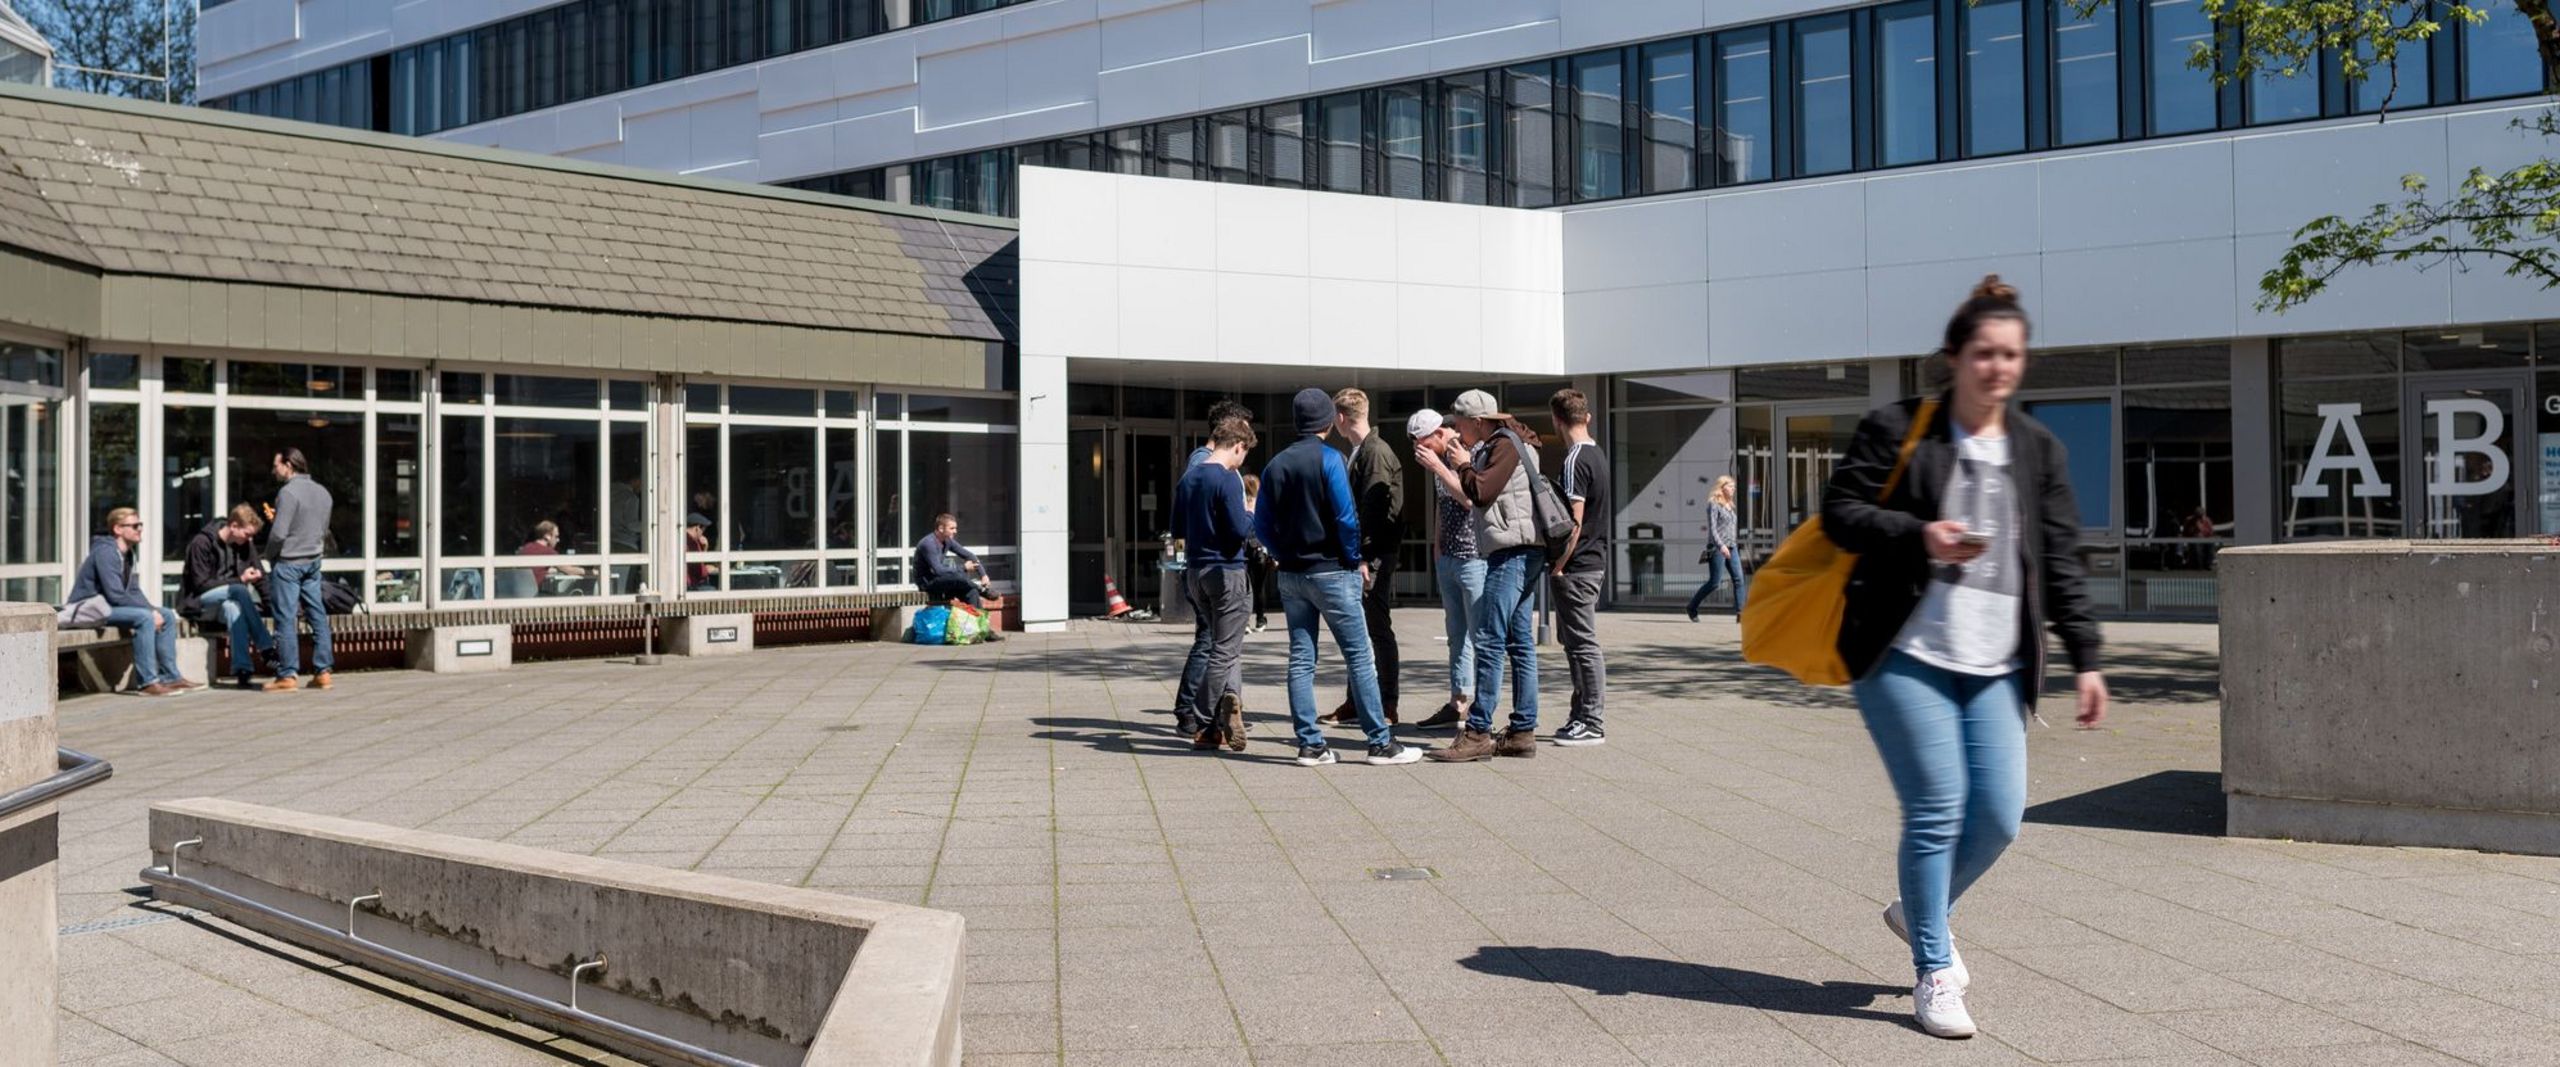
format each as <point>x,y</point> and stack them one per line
<point>2169,802</point>
<point>1611,975</point>
<point>1153,739</point>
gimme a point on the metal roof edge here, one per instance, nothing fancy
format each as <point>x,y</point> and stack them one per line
<point>479,154</point>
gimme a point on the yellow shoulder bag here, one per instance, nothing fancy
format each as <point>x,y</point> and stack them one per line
<point>1798,598</point>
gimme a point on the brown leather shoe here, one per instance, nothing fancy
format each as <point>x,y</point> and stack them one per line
<point>1521,743</point>
<point>1468,747</point>
<point>1206,739</point>
<point>1231,721</point>
<point>182,685</point>
<point>1346,715</point>
<point>155,689</point>
<point>286,684</point>
<point>322,681</point>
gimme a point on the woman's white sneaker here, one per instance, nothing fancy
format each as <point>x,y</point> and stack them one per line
<point>1938,1002</point>
<point>1894,921</point>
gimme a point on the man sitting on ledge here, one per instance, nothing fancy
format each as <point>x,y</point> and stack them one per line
<point>946,570</point>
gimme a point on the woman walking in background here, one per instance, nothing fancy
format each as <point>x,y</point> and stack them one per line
<point>1962,564</point>
<point>1723,533</point>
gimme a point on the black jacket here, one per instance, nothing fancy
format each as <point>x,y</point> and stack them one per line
<point>1893,566</point>
<point>211,563</point>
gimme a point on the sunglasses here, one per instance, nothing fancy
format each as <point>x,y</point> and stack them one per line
<point>129,525</point>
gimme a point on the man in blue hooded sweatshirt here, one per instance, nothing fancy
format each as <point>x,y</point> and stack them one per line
<point>1310,522</point>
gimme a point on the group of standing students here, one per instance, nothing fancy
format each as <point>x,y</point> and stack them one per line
<point>1958,508</point>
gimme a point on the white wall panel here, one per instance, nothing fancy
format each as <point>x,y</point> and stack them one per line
<point>1233,23</point>
<point>1797,318</point>
<point>1636,245</point>
<point>1353,237</point>
<point>1150,91</point>
<point>2280,180</point>
<point>2399,294</point>
<point>1976,211</point>
<point>1350,324</point>
<point>1787,231</point>
<point>1908,304</point>
<point>1261,231</point>
<point>1654,328</point>
<point>961,86</point>
<point>1597,25</point>
<point>1169,224</point>
<point>1075,307</point>
<point>1263,318</point>
<point>1439,327</point>
<point>1086,229</point>
<point>1169,32</point>
<point>2157,292</point>
<point>1168,314</point>
<point>2136,195</point>
<point>1438,244</point>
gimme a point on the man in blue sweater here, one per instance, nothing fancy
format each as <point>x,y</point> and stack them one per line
<point>1310,522</point>
<point>107,573</point>
<point>1210,517</point>
<point>1186,696</point>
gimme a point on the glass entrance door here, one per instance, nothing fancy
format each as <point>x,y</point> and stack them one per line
<point>1147,512</point>
<point>1088,516</point>
<point>2467,477</point>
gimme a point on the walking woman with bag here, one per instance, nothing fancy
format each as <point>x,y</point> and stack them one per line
<point>1960,513</point>
<point>1723,535</point>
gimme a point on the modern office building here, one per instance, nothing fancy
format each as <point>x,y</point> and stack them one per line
<point>1737,223</point>
<point>25,57</point>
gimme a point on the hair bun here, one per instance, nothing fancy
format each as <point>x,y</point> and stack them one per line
<point>1992,288</point>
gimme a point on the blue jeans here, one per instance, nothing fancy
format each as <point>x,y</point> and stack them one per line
<point>1335,597</point>
<point>1506,631</point>
<point>1955,746</point>
<point>294,589</point>
<point>240,616</point>
<point>1461,586</point>
<point>155,643</point>
<point>1721,568</point>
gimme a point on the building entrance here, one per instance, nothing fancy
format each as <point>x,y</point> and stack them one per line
<point>2469,476</point>
<point>1119,508</point>
<point>1784,454</point>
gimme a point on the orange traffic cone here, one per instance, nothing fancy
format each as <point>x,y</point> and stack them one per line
<point>1115,604</point>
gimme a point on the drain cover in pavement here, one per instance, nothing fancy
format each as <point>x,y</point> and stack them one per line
<point>1402,874</point>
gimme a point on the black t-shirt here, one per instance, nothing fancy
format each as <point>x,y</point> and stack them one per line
<point>1586,478</point>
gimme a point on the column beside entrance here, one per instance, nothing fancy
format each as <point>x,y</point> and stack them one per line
<point>29,842</point>
<point>1042,585</point>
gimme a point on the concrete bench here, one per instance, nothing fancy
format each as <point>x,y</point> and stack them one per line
<point>101,658</point>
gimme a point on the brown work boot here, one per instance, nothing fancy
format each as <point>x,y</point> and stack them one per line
<point>156,689</point>
<point>1468,747</point>
<point>1346,715</point>
<point>1206,739</point>
<point>182,685</point>
<point>322,680</point>
<point>1231,720</point>
<point>1521,743</point>
<point>286,684</point>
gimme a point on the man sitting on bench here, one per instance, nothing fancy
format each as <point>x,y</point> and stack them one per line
<point>107,573</point>
<point>222,565</point>
<point>946,570</point>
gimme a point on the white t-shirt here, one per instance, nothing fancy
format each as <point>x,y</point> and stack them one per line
<point>1968,620</point>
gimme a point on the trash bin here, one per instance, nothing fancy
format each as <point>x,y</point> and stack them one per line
<point>1644,558</point>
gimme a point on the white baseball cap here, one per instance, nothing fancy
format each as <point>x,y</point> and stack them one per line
<point>1423,424</point>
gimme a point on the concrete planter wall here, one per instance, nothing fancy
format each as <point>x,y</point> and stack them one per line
<point>2393,693</point>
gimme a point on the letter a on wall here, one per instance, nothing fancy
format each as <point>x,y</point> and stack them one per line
<point>2338,420</point>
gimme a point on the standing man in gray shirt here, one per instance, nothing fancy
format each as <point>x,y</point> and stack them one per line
<point>295,543</point>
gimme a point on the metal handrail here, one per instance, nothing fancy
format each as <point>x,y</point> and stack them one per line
<point>76,771</point>
<point>347,945</point>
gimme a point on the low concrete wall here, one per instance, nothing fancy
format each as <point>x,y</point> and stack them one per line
<point>2393,693</point>
<point>763,973</point>
<point>30,842</point>
<point>709,635</point>
<point>462,649</point>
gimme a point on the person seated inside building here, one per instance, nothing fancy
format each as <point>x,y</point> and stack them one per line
<point>698,574</point>
<point>946,570</point>
<point>546,542</point>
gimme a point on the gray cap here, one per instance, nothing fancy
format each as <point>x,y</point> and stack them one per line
<point>1423,424</point>
<point>1475,404</point>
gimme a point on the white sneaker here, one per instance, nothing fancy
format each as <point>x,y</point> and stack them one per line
<point>1901,928</point>
<point>1938,1002</point>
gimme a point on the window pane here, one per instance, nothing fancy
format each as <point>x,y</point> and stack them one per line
<point>1128,150</point>
<point>844,488</point>
<point>399,483</point>
<point>1284,146</point>
<point>1670,117</point>
<point>30,364</point>
<point>702,483</point>
<point>626,493</point>
<point>186,375</point>
<point>2334,356</point>
<point>1465,141</point>
<point>1338,131</point>
<point>395,385</point>
<point>1529,157</point>
<point>2408,66</point>
<point>1743,124</point>
<point>460,511</point>
<point>1178,152</point>
<point>1823,134</point>
<point>2329,506</point>
<point>1230,143</point>
<point>297,380</point>
<point>1600,155</point>
<point>2177,462</point>
<point>771,501</point>
<point>2479,348</point>
<point>334,443</point>
<point>1907,57</point>
<point>2086,429</point>
<point>889,477</point>
<point>115,371</point>
<point>459,387</point>
<point>524,390</point>
<point>2499,56</point>
<point>2084,74</point>
<point>31,452</point>
<point>1400,140</point>
<point>547,471</point>
<point>2183,98</point>
<point>115,457</point>
<point>628,396</point>
<point>2275,97</point>
<point>186,501</point>
<point>995,411</point>
<point>967,474</point>
<point>2177,363</point>
<point>767,400</point>
<point>1995,77</point>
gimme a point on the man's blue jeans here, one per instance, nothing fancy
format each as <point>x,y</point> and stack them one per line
<point>1507,635</point>
<point>295,590</point>
<point>1955,746</point>
<point>1334,597</point>
<point>155,643</point>
<point>242,619</point>
<point>1461,586</point>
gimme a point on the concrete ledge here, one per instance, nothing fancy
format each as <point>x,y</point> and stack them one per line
<point>2344,823</point>
<point>762,973</point>
<point>708,635</point>
<point>462,649</point>
<point>894,622</point>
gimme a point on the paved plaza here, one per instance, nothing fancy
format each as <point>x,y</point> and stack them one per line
<point>1703,890</point>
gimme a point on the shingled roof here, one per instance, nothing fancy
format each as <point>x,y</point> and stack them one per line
<point>147,189</point>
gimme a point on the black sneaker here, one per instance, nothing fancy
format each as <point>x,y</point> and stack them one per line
<point>1315,755</point>
<point>1392,754</point>
<point>1581,732</point>
<point>1447,718</point>
<point>244,680</point>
